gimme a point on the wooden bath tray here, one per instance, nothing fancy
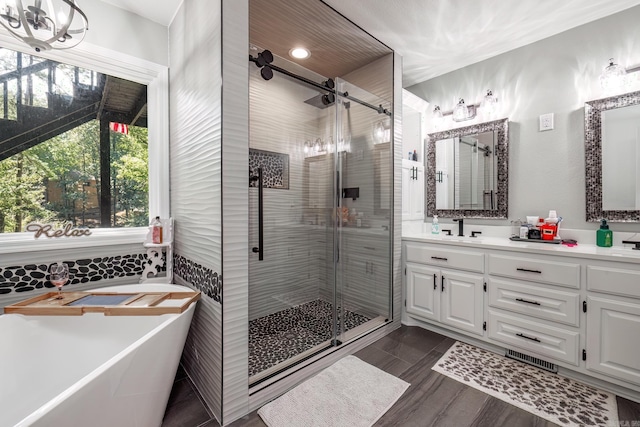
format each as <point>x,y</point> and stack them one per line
<point>109,303</point>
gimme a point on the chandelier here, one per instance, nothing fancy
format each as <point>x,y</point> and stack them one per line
<point>44,24</point>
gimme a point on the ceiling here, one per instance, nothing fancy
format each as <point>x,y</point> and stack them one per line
<point>438,36</point>
<point>279,25</point>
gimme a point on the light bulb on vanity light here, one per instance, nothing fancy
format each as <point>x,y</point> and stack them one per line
<point>437,117</point>
<point>460,111</point>
<point>613,78</point>
<point>378,132</point>
<point>489,104</point>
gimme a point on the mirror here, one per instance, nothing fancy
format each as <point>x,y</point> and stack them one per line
<point>612,153</point>
<point>467,173</point>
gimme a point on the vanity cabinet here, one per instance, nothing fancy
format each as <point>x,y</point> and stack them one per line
<point>613,321</point>
<point>436,291</point>
<point>579,310</point>
<point>412,190</point>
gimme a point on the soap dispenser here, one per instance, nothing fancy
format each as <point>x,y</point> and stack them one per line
<point>604,236</point>
<point>435,227</point>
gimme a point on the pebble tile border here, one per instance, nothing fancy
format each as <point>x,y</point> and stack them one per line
<point>204,279</point>
<point>30,277</point>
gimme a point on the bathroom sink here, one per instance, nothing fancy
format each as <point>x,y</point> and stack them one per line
<point>461,239</point>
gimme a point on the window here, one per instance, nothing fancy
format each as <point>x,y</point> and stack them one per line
<point>57,175</point>
<point>73,146</point>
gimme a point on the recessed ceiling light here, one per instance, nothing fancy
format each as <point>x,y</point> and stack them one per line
<point>299,53</point>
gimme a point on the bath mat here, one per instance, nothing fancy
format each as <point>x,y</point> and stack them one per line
<point>560,400</point>
<point>349,393</point>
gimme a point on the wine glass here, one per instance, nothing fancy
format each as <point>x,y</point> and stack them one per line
<point>59,275</point>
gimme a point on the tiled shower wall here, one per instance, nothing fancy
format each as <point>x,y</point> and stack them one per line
<point>195,59</point>
<point>294,242</point>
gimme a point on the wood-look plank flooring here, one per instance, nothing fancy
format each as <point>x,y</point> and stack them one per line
<point>433,399</point>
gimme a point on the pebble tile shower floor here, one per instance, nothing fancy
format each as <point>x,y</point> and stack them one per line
<point>280,336</point>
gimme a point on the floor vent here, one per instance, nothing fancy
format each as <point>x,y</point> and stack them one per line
<point>547,366</point>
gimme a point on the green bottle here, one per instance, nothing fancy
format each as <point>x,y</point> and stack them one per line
<point>604,236</point>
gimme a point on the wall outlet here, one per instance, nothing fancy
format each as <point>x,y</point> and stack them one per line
<point>546,122</point>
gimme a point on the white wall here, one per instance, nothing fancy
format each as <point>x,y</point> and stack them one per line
<point>555,75</point>
<point>196,181</point>
<point>126,32</point>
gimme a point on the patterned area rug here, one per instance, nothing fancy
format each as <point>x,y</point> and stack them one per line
<point>549,396</point>
<point>287,333</point>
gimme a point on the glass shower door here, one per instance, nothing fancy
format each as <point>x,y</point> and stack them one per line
<point>291,200</point>
<point>364,182</point>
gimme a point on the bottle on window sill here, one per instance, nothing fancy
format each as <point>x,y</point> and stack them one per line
<point>156,231</point>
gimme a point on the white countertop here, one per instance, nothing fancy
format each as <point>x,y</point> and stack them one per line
<point>615,253</point>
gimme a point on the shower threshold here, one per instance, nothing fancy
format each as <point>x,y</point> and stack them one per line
<point>289,336</point>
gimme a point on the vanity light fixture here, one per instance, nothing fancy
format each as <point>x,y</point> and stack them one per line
<point>44,25</point>
<point>299,53</point>
<point>460,113</point>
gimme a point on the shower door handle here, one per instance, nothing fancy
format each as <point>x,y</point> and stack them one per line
<point>260,249</point>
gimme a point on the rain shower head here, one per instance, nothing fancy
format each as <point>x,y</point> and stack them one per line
<point>322,100</point>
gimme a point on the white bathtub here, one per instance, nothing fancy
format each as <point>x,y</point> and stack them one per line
<point>91,370</point>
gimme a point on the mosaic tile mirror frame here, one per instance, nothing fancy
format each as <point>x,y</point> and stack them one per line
<point>501,130</point>
<point>593,112</point>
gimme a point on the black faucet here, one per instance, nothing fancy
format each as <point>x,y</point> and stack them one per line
<point>460,226</point>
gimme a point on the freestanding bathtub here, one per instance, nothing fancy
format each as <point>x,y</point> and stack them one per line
<point>90,370</point>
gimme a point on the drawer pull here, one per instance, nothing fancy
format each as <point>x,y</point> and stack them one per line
<point>529,271</point>
<point>528,302</point>
<point>529,338</point>
<point>435,285</point>
<point>369,247</point>
<point>439,258</point>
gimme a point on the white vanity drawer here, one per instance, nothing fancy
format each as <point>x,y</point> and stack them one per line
<point>543,340</point>
<point>536,269</point>
<point>614,281</point>
<point>450,258</point>
<point>548,304</point>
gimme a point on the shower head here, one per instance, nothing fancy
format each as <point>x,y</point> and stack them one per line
<point>321,101</point>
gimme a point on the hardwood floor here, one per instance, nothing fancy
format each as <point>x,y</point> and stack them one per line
<point>433,399</point>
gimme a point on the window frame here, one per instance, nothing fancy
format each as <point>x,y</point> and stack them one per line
<point>117,64</point>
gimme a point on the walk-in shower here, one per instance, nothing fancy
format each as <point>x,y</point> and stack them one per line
<point>320,177</point>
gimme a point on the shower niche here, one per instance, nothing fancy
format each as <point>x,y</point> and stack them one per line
<point>319,248</point>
